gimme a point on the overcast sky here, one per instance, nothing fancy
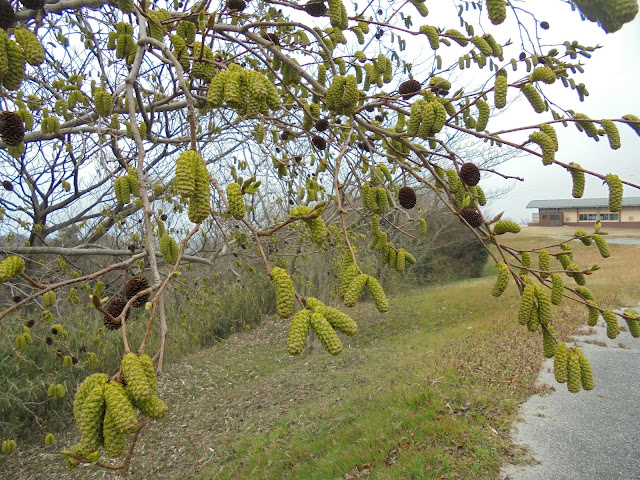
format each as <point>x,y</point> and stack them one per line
<point>611,77</point>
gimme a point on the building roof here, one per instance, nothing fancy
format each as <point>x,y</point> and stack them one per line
<point>582,202</point>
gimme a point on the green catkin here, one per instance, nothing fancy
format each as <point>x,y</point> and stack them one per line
<point>586,373</point>
<point>285,293</point>
<point>352,295</point>
<point>633,322</point>
<point>534,97</point>
<point>149,371</point>
<point>561,363</point>
<point>615,192</point>
<point>298,331</point>
<point>347,276</point>
<point>636,122</point>
<point>612,133</point>
<point>500,91</point>
<point>497,10</point>
<point>611,319</point>
<point>186,173</point>
<point>119,407</point>
<point>236,202</point>
<point>594,313</point>
<point>401,260</point>
<point>423,226</point>
<point>432,34</point>
<point>502,281</point>
<point>505,226</point>
<point>534,321</point>
<point>587,125</point>
<point>556,289</point>
<point>574,373</point>
<point>480,196</point>
<point>379,297</point>
<point>544,262</point>
<point>601,243</point>
<point>551,132</point>
<point>583,237</point>
<point>526,262</point>
<point>543,74</point>
<point>496,48</point>
<point>484,111</point>
<point>114,441</point>
<point>339,320</point>
<point>137,382</point>
<point>526,303</point>
<point>482,45</point>
<point>327,335</point>
<point>578,179</point>
<point>544,304</point>
<point>547,145</point>
<point>548,343</point>
<point>200,201</point>
<point>11,266</point>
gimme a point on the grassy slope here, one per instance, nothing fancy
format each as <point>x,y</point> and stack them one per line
<point>428,391</point>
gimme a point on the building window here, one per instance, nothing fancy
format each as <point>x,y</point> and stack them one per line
<point>567,219</point>
<point>544,217</point>
<point>604,216</point>
<point>593,217</point>
<point>611,217</point>
<point>583,217</point>
<point>614,216</point>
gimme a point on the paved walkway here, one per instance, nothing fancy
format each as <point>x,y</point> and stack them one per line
<point>590,435</point>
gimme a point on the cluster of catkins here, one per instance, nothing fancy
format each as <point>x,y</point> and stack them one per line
<point>105,411</point>
<point>23,48</point>
<point>396,258</point>
<point>192,183</point>
<point>248,92</point>
<point>9,267</point>
<point>324,320</point>
<point>317,227</point>
<point>352,282</point>
<point>125,186</point>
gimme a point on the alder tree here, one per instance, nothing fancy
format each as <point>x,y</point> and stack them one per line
<point>163,123</point>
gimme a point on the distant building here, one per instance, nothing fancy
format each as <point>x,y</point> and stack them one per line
<point>584,212</point>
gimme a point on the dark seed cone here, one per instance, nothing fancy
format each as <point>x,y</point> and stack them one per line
<point>238,5</point>
<point>11,124</point>
<point>114,307</point>
<point>7,15</point>
<point>472,217</point>
<point>409,88</point>
<point>272,37</point>
<point>407,197</point>
<point>319,142</point>
<point>322,124</point>
<point>133,286</point>
<point>316,9</point>
<point>469,174</point>
<point>32,4</point>
<point>7,185</point>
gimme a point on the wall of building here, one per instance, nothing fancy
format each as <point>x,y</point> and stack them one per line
<point>570,215</point>
<point>628,217</point>
<point>631,214</point>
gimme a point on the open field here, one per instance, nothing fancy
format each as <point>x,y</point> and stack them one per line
<point>429,390</point>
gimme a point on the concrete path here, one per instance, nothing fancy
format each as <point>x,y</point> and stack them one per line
<point>590,435</point>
